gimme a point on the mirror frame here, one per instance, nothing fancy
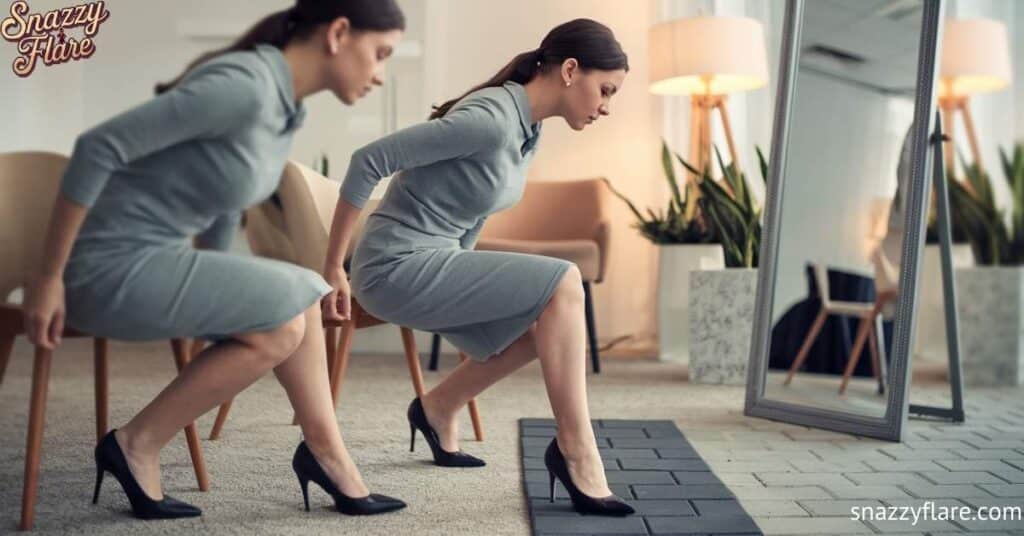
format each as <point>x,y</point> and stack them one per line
<point>892,424</point>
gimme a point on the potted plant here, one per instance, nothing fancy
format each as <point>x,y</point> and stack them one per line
<point>990,296</point>
<point>685,244</point>
<point>722,301</point>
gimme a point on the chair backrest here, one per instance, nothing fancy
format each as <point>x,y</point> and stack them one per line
<point>821,279</point>
<point>299,231</point>
<point>29,183</point>
<point>558,210</point>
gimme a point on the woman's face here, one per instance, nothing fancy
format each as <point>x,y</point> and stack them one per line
<point>589,94</point>
<point>356,59</point>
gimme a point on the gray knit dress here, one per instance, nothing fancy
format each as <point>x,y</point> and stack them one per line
<point>182,164</point>
<point>414,265</point>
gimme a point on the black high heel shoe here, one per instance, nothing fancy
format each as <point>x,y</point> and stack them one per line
<point>611,505</point>
<point>110,458</point>
<point>307,468</point>
<point>418,420</point>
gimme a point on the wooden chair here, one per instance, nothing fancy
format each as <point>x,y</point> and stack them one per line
<point>29,183</point>
<point>869,327</point>
<point>568,220</point>
<point>298,230</point>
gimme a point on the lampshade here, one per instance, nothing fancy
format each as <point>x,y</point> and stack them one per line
<point>975,56</point>
<point>727,52</point>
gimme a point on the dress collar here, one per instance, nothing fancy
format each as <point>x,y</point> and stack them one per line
<point>518,93</point>
<point>295,111</point>
<point>531,131</point>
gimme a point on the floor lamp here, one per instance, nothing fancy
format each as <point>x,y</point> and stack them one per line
<point>975,59</point>
<point>707,58</point>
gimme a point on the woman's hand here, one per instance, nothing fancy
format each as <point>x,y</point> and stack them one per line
<point>336,305</point>
<point>44,311</point>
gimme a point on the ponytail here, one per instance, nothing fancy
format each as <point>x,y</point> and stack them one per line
<point>521,69</point>
<point>591,43</point>
<point>275,29</point>
<point>301,20</point>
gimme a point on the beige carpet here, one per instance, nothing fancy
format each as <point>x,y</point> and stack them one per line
<point>253,489</point>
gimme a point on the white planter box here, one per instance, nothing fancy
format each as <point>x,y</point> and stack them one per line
<point>930,340</point>
<point>675,262</point>
<point>990,300</point>
<point>721,323</point>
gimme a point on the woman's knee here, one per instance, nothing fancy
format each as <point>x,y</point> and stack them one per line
<point>278,344</point>
<point>570,289</point>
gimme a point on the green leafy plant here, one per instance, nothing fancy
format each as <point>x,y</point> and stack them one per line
<point>711,212</point>
<point>322,165</point>
<point>733,213</point>
<point>680,223</point>
<point>976,217</point>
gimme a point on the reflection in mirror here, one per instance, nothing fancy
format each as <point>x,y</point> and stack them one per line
<point>841,218</point>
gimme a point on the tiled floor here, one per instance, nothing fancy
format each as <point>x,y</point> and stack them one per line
<point>648,462</point>
<point>795,480</point>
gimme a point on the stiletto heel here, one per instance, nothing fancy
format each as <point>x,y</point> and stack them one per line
<point>418,420</point>
<point>611,505</point>
<point>304,484</point>
<point>99,481</point>
<point>412,437</point>
<point>110,458</point>
<point>551,476</point>
<point>307,468</point>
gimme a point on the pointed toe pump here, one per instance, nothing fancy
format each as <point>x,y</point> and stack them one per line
<point>110,459</point>
<point>418,421</point>
<point>611,505</point>
<point>307,468</point>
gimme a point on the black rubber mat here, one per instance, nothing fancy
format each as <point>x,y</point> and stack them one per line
<point>648,463</point>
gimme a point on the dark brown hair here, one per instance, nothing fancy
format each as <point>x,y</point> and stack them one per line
<point>300,21</point>
<point>591,43</point>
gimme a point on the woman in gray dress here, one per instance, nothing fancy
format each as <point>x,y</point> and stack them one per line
<point>138,188</point>
<point>414,266</point>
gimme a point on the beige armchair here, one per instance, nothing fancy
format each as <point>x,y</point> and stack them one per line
<point>568,220</point>
<point>298,230</point>
<point>29,183</point>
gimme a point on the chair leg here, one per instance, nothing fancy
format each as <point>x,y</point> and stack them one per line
<point>101,380</point>
<point>331,342</point>
<point>222,417</point>
<point>883,360</point>
<point>33,448</point>
<point>197,346</point>
<point>435,351</point>
<point>413,360</point>
<point>474,412</point>
<point>805,348</point>
<point>863,329</point>
<point>6,349</point>
<point>872,346</point>
<point>588,309</point>
<point>181,359</point>
<point>341,356</point>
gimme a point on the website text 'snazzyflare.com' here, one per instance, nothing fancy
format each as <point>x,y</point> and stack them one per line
<point>929,511</point>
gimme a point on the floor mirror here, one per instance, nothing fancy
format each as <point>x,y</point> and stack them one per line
<point>845,215</point>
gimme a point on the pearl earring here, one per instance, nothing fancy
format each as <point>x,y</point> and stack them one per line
<point>567,84</point>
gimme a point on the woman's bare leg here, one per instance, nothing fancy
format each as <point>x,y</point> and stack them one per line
<point>304,377</point>
<point>218,373</point>
<point>558,338</point>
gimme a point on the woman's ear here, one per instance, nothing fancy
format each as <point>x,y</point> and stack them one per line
<point>338,33</point>
<point>569,68</point>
